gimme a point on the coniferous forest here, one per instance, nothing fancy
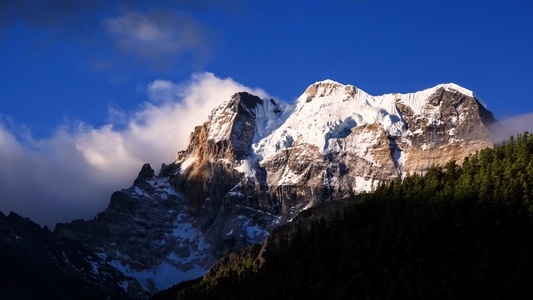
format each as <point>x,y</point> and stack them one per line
<point>459,231</point>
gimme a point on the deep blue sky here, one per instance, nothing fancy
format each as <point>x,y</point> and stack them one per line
<point>68,65</point>
<point>91,89</point>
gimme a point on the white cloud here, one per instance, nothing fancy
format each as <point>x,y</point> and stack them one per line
<point>158,35</point>
<point>73,173</point>
<point>49,180</point>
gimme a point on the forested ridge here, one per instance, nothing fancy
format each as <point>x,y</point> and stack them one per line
<point>456,232</point>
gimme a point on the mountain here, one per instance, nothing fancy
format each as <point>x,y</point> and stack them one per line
<point>258,163</point>
<point>458,232</point>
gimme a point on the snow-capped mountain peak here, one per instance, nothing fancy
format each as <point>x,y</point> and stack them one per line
<point>327,87</point>
<point>257,163</point>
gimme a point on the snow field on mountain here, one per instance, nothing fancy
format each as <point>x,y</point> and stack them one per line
<point>161,276</point>
<point>329,110</point>
<point>328,114</point>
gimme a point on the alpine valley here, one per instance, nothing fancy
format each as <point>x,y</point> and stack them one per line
<point>254,165</point>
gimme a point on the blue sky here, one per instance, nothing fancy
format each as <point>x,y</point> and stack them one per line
<point>79,76</point>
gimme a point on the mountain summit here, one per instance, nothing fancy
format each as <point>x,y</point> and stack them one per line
<point>257,163</point>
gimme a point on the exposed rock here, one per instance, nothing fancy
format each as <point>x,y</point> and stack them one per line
<point>145,174</point>
<point>452,126</point>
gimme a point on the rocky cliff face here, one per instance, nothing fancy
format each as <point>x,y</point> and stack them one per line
<point>39,264</point>
<point>451,125</point>
<point>257,163</point>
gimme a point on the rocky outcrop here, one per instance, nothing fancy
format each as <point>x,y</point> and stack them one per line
<point>452,125</point>
<point>36,263</point>
<point>148,233</point>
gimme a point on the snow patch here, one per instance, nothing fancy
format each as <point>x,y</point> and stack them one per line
<point>288,177</point>
<point>161,276</point>
<point>451,131</point>
<point>185,231</point>
<point>236,194</point>
<point>246,168</point>
<point>186,163</point>
<point>254,233</point>
<point>364,185</point>
<point>399,157</point>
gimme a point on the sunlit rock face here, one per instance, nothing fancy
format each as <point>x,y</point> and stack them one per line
<point>257,163</point>
<point>451,125</point>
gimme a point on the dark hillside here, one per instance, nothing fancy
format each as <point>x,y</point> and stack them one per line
<point>35,263</point>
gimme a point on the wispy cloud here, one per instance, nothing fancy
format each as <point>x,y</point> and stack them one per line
<point>512,126</point>
<point>72,174</point>
<point>159,36</point>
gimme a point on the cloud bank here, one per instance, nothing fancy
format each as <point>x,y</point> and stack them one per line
<point>72,174</point>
